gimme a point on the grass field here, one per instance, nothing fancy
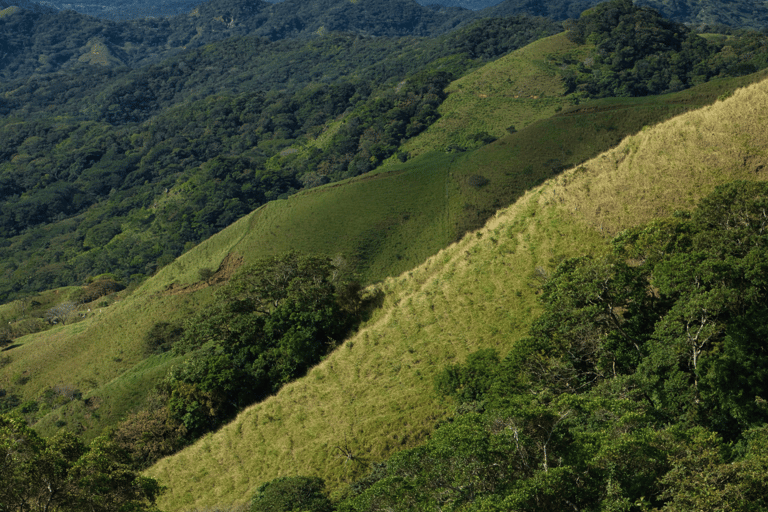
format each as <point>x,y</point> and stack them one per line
<point>515,90</point>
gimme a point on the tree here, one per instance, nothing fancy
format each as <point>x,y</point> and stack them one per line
<point>273,321</point>
<point>61,313</point>
<point>289,494</point>
<point>62,474</point>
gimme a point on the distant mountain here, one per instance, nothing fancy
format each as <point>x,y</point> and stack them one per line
<point>127,9</point>
<point>751,14</point>
<point>466,4</point>
<point>26,4</point>
<point>44,41</point>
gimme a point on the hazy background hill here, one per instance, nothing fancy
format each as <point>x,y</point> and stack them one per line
<point>44,42</point>
<point>740,14</point>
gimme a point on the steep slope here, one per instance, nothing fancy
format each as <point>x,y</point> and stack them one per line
<point>383,224</point>
<point>374,395</point>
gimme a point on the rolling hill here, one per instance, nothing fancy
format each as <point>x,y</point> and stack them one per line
<point>383,223</point>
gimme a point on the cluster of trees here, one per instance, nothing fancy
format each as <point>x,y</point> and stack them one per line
<point>62,474</point>
<point>272,321</point>
<point>641,386</point>
<point>640,53</point>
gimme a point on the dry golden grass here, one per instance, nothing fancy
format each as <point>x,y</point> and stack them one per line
<point>374,395</point>
<point>670,167</point>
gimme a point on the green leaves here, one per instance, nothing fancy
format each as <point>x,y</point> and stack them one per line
<point>289,494</point>
<point>273,321</point>
<point>62,474</point>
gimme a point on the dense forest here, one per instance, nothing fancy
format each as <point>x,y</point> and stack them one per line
<point>45,42</point>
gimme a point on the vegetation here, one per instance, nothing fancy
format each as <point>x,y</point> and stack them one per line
<point>163,164</point>
<point>418,208</point>
<point>63,474</point>
<point>638,53</point>
<point>236,333</point>
<point>636,377</point>
<point>375,396</point>
<point>745,14</point>
<point>270,323</point>
<point>129,198</point>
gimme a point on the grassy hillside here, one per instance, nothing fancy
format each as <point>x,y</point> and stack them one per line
<point>383,223</point>
<point>515,90</point>
<point>375,394</point>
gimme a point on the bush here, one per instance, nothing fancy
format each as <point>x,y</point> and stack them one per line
<point>161,337</point>
<point>287,494</point>
<point>98,289</point>
<point>477,181</point>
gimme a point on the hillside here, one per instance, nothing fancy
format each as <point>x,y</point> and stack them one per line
<point>61,38</point>
<point>382,224</point>
<point>110,346</point>
<point>140,168</point>
<point>506,95</point>
<point>374,395</point>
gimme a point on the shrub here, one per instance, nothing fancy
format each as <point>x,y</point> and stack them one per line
<point>287,494</point>
<point>161,337</point>
<point>477,181</point>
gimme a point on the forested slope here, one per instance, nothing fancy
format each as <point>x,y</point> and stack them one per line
<point>43,42</point>
<point>65,176</point>
<point>236,320</point>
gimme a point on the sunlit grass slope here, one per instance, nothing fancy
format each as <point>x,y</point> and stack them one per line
<point>374,395</point>
<point>517,89</point>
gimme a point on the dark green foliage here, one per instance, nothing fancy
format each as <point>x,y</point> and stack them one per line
<point>150,434</point>
<point>112,195</point>
<point>752,14</point>
<point>63,474</point>
<point>8,402</point>
<point>62,36</point>
<point>162,336</point>
<point>639,53</point>
<point>288,494</point>
<point>98,289</point>
<point>273,321</point>
<point>640,387</point>
<point>471,381</point>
